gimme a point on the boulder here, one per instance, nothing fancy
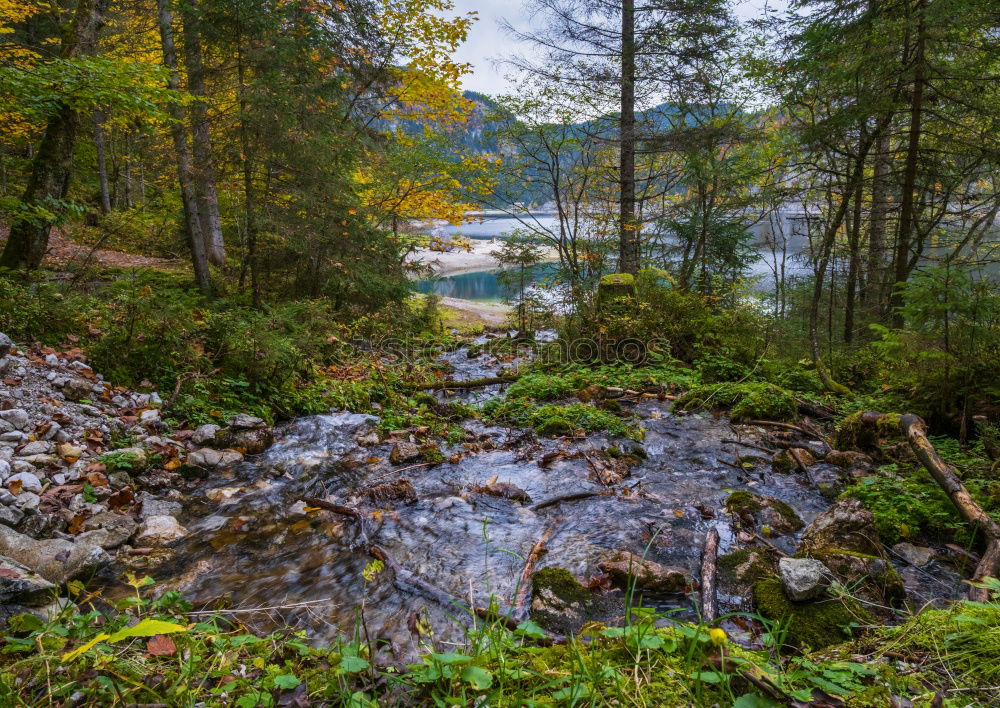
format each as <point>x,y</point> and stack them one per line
<point>205,457</point>
<point>847,526</point>
<point>914,555</point>
<point>784,460</point>
<point>78,389</point>
<point>205,434</point>
<point>242,421</point>
<point>55,559</point>
<point>627,568</point>
<point>155,506</point>
<point>26,481</point>
<point>108,529</point>
<point>19,585</point>
<point>401,490</point>
<point>764,511</point>
<point>848,459</point>
<point>159,531</point>
<point>404,452</point>
<point>803,578</point>
<point>559,602</point>
<point>16,417</point>
<point>244,437</point>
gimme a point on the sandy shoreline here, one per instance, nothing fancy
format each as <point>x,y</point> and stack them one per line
<point>456,262</point>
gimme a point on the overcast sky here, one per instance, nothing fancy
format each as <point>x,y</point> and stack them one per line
<point>488,42</point>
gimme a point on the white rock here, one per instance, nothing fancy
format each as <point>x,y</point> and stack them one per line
<point>803,578</point>
<point>204,434</point>
<point>52,360</point>
<point>5,470</point>
<point>149,416</point>
<point>17,417</point>
<point>205,457</point>
<point>39,447</point>
<point>28,501</point>
<point>158,531</point>
<point>29,482</point>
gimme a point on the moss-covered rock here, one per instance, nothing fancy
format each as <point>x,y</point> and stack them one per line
<point>808,625</point>
<point>866,431</point>
<point>559,602</point>
<point>629,570</point>
<point>783,461</point>
<point>741,569</point>
<point>746,401</point>
<point>764,511</point>
<point>870,577</point>
<point>847,525</point>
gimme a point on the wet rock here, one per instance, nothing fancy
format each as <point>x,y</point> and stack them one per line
<point>558,602</point>
<point>156,506</point>
<point>55,559</point>
<point>740,569</point>
<point>78,389</point>
<point>403,451</point>
<point>245,434</point>
<point>108,530</point>
<point>205,434</point>
<point>21,586</point>
<point>159,531</point>
<point>803,578</point>
<point>228,458</point>
<point>848,459</point>
<point>764,511</point>
<point>367,440</point>
<point>914,555</point>
<point>220,495</point>
<point>17,417</point>
<point>27,481</point>
<point>846,525</point>
<point>627,568</point>
<point>205,457</point>
<point>400,490</point>
<point>784,460</point>
<point>504,490</point>
<point>828,479</point>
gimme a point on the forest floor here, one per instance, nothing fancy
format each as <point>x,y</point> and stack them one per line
<point>64,252</point>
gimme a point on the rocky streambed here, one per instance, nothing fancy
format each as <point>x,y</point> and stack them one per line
<point>289,533</point>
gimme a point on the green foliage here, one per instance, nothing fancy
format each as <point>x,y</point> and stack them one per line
<point>556,420</point>
<point>809,625</point>
<point>133,461</point>
<point>746,401</point>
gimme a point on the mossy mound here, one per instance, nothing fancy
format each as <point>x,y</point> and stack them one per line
<point>740,570</point>
<point>808,625</point>
<point>559,602</point>
<point>773,513</point>
<point>866,431</point>
<point>746,401</point>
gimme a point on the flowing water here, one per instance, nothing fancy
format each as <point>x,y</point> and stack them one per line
<point>253,546</point>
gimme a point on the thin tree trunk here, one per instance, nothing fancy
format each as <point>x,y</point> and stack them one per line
<point>904,239</point>
<point>183,154</point>
<point>204,168</point>
<point>249,195</point>
<point>854,265</point>
<point>628,233</point>
<point>52,166</point>
<point>874,295</point>
<point>102,162</point>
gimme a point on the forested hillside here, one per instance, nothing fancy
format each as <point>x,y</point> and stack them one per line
<point>715,420</point>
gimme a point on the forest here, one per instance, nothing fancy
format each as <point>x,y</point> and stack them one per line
<point>665,374</point>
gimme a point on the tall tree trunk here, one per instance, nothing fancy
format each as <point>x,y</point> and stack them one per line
<point>904,239</point>
<point>183,154</point>
<point>874,294</point>
<point>854,266</point>
<point>102,162</point>
<point>628,231</point>
<point>204,168</point>
<point>52,166</point>
<point>249,193</point>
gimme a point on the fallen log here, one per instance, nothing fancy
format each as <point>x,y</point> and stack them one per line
<point>788,426</point>
<point>342,511</point>
<point>475,383</point>
<point>915,430</point>
<point>814,410</point>
<point>709,601</point>
<point>565,498</point>
<point>520,609</point>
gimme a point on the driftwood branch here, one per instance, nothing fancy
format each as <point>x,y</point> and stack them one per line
<point>915,430</point>
<point>565,498</point>
<point>520,609</point>
<point>709,601</point>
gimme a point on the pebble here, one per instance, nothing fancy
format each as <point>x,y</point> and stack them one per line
<point>28,501</point>
<point>17,417</point>
<point>39,447</point>
<point>52,360</point>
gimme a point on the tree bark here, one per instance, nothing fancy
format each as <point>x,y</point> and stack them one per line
<point>628,231</point>
<point>874,295</point>
<point>904,239</point>
<point>102,162</point>
<point>183,154</point>
<point>709,601</point>
<point>52,166</point>
<point>915,430</point>
<point>204,168</point>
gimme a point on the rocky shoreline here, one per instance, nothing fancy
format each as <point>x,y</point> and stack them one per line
<point>92,474</point>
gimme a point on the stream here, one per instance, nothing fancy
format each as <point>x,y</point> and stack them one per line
<point>253,547</point>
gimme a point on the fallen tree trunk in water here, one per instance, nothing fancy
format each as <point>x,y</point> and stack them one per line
<point>475,383</point>
<point>915,430</point>
<point>709,601</point>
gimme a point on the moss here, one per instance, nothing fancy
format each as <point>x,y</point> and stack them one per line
<point>859,431</point>
<point>744,567</point>
<point>746,401</point>
<point>432,453</point>
<point>618,279</point>
<point>870,573</point>
<point>744,501</point>
<point>808,625</point>
<point>561,583</point>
